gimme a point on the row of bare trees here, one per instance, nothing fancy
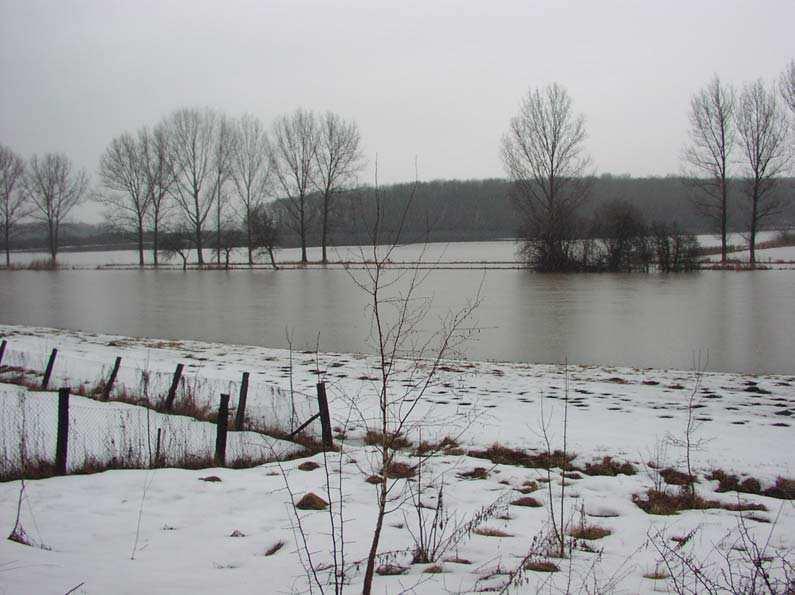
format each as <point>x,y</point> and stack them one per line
<point>544,154</point>
<point>45,187</point>
<point>201,169</point>
<point>747,135</point>
<point>196,171</point>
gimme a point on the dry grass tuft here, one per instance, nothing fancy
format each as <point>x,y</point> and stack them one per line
<point>590,532</point>
<point>389,441</point>
<point>490,532</point>
<point>374,479</point>
<point>274,548</point>
<point>609,467</point>
<point>541,566</point>
<point>663,503</point>
<point>503,455</point>
<point>435,569</point>
<point>311,501</point>
<point>476,473</point>
<point>528,501</point>
<point>390,570</point>
<point>657,575</point>
<point>677,478</point>
<point>398,470</point>
<point>308,466</point>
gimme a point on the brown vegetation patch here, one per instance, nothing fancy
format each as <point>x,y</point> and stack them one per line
<point>541,566</point>
<point>590,532</point>
<point>783,488</point>
<point>476,473</point>
<point>677,478</point>
<point>457,560</point>
<point>504,455</point>
<point>657,575</point>
<point>390,570</point>
<point>609,467</point>
<point>308,466</point>
<point>311,501</point>
<point>528,501</point>
<point>398,470</point>
<point>374,479</point>
<point>274,548</point>
<point>389,441</point>
<point>447,445</point>
<point>490,532</point>
<point>659,502</point>
<point>435,569</point>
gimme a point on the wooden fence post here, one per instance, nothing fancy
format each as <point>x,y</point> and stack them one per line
<point>240,416</point>
<point>220,437</point>
<point>2,350</point>
<point>157,449</point>
<point>172,392</point>
<point>62,441</point>
<point>111,380</point>
<point>46,380</point>
<point>325,419</point>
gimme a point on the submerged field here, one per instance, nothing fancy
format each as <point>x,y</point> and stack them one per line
<point>165,530</point>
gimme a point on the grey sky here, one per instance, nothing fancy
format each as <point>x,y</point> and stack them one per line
<point>436,79</point>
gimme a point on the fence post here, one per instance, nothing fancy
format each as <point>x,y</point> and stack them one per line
<point>62,442</point>
<point>111,380</point>
<point>172,392</point>
<point>220,437</point>
<point>2,350</point>
<point>157,449</point>
<point>240,416</point>
<point>46,380</point>
<point>325,420</point>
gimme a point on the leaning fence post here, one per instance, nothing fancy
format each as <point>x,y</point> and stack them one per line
<point>172,392</point>
<point>2,350</point>
<point>220,437</point>
<point>62,441</point>
<point>240,416</point>
<point>46,380</point>
<point>325,420</point>
<point>111,380</point>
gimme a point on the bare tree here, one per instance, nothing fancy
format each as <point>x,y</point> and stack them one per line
<point>251,172</point>
<point>707,155</point>
<point>543,153</point>
<point>338,160</point>
<point>122,173</point>
<point>192,133</point>
<point>54,189</point>
<point>13,203</point>
<point>160,177</point>
<point>223,148</point>
<point>762,130</point>
<point>293,150</point>
<point>786,85</point>
<point>264,230</point>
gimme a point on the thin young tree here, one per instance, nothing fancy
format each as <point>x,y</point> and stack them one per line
<point>122,173</point>
<point>294,144</point>
<point>338,159</point>
<point>251,172</point>
<point>160,177</point>
<point>192,134</point>
<point>762,130</point>
<point>544,155</point>
<point>54,188</point>
<point>14,205</point>
<point>265,231</point>
<point>707,156</point>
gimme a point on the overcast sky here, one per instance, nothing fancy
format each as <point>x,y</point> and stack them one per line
<point>435,79</point>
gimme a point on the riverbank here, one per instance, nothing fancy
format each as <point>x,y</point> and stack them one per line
<point>214,537</point>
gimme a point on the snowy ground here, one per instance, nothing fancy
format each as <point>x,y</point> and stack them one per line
<point>783,257</point>
<point>184,544</point>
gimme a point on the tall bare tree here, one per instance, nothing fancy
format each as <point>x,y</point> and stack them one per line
<point>338,160</point>
<point>786,85</point>
<point>192,133</point>
<point>14,205</point>
<point>54,188</point>
<point>251,172</point>
<point>122,173</point>
<point>223,149</point>
<point>762,130</point>
<point>708,153</point>
<point>293,150</point>
<point>160,178</point>
<point>543,153</point>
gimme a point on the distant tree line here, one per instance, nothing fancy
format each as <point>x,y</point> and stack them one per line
<point>201,179</point>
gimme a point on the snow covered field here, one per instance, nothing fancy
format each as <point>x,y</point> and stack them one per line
<point>185,541</point>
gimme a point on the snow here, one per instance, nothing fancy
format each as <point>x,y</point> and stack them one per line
<point>184,545</point>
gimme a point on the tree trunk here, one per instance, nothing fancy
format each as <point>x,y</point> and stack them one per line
<point>303,234</point>
<point>8,245</point>
<point>53,237</point>
<point>140,243</point>
<point>248,237</point>
<point>754,205</point>
<point>154,239</point>
<point>723,222</point>
<point>324,230</point>
<point>370,571</point>
<point>199,254</point>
